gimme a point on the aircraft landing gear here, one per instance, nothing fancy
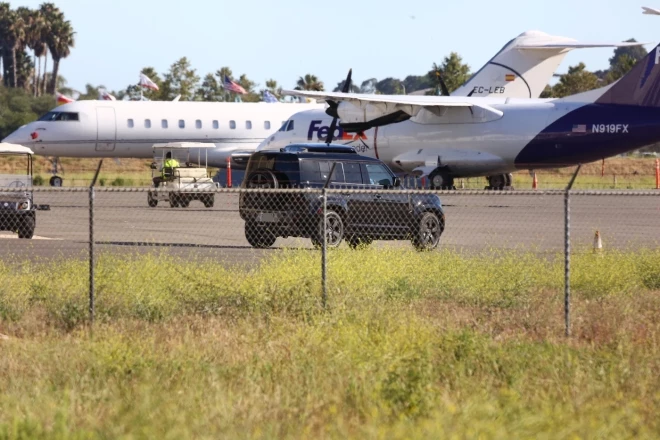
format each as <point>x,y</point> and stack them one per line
<point>440,179</point>
<point>56,180</point>
<point>500,182</point>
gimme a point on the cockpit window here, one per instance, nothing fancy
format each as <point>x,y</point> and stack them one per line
<point>59,116</point>
<point>283,127</point>
<point>290,126</point>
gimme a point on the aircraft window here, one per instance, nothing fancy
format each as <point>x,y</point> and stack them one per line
<point>216,125</point>
<point>59,116</point>
<point>248,125</point>
<point>147,123</point>
<point>290,126</point>
<point>232,124</point>
<point>266,125</point>
<point>163,123</point>
<point>198,124</point>
<point>130,123</point>
<point>182,123</point>
<point>283,127</point>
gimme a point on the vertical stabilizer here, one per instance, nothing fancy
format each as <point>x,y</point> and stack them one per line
<point>640,86</point>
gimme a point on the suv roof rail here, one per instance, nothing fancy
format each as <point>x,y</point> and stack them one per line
<point>318,148</point>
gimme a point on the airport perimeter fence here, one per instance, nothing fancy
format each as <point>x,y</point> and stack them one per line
<point>244,227</point>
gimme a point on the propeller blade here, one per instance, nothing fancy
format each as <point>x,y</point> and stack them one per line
<point>443,86</point>
<point>332,108</point>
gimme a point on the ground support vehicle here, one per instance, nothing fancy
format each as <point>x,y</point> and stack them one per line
<point>17,210</point>
<point>186,182</point>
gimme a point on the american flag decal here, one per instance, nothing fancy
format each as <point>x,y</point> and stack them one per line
<point>580,128</point>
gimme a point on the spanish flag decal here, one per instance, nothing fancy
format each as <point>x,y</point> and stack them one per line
<point>510,77</point>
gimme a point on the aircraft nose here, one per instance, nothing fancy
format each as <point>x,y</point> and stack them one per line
<point>22,136</point>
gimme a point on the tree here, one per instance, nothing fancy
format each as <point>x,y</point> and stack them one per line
<point>180,80</point>
<point>210,89</point>
<point>340,87</point>
<point>273,87</point>
<point>636,53</point>
<point>623,65</point>
<point>577,80</point>
<point>12,35</point>
<point>249,86</point>
<point>413,83</point>
<point>309,82</point>
<point>453,71</point>
<point>59,38</point>
<point>368,86</point>
<point>390,86</point>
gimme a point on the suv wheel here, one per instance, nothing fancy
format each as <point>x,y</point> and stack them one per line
<point>334,230</point>
<point>258,236</point>
<point>357,242</point>
<point>429,230</point>
<point>26,227</point>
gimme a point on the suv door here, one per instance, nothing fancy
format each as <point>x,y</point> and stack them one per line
<point>388,213</point>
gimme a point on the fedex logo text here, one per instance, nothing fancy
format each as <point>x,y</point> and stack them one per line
<point>322,133</point>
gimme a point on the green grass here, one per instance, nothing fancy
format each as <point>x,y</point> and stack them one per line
<point>430,345</point>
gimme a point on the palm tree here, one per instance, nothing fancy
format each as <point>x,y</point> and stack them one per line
<point>13,37</point>
<point>34,39</point>
<point>60,41</point>
<point>309,82</point>
<point>50,14</point>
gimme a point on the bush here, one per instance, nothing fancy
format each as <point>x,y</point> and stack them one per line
<point>38,180</point>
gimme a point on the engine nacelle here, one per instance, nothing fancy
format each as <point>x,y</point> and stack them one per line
<point>356,119</point>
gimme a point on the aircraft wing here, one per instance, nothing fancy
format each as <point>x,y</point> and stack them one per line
<point>650,11</point>
<point>410,104</point>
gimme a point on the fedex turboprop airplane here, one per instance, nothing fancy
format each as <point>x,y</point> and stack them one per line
<point>123,129</point>
<point>449,137</point>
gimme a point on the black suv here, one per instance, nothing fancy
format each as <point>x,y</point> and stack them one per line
<point>358,217</point>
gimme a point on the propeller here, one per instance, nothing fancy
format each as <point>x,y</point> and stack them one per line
<point>333,106</point>
<point>443,86</point>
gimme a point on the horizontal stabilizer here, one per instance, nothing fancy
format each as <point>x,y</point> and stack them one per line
<point>650,11</point>
<point>575,45</point>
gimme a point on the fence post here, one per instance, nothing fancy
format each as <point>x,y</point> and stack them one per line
<point>228,172</point>
<point>324,249</point>
<point>567,253</point>
<point>657,174</point>
<point>92,259</point>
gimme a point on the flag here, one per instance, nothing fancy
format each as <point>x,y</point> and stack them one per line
<point>580,128</point>
<point>269,97</point>
<point>146,82</point>
<point>61,99</point>
<point>105,96</point>
<point>233,87</point>
<point>510,77</point>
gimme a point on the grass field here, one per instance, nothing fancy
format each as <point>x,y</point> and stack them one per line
<point>433,345</point>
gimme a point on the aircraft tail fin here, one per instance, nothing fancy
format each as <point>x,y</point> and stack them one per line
<point>640,86</point>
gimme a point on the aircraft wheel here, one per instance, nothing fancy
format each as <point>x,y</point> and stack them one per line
<point>440,179</point>
<point>500,181</point>
<point>56,181</point>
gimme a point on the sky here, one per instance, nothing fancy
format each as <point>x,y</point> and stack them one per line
<point>286,39</point>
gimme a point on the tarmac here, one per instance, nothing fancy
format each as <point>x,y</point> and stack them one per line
<point>123,223</point>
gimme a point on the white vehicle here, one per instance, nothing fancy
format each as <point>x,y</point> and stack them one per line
<point>118,129</point>
<point>17,210</point>
<point>450,137</point>
<point>187,181</point>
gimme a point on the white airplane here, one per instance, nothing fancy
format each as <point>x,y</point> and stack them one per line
<point>450,137</point>
<point>122,129</point>
<point>650,11</point>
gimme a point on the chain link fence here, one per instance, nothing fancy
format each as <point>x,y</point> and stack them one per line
<point>242,226</point>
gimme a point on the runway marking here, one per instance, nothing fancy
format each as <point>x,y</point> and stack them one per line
<point>10,236</point>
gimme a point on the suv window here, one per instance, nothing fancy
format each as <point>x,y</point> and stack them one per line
<point>318,170</point>
<point>352,173</point>
<point>378,174</point>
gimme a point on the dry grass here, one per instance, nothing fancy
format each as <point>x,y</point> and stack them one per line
<point>414,346</point>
